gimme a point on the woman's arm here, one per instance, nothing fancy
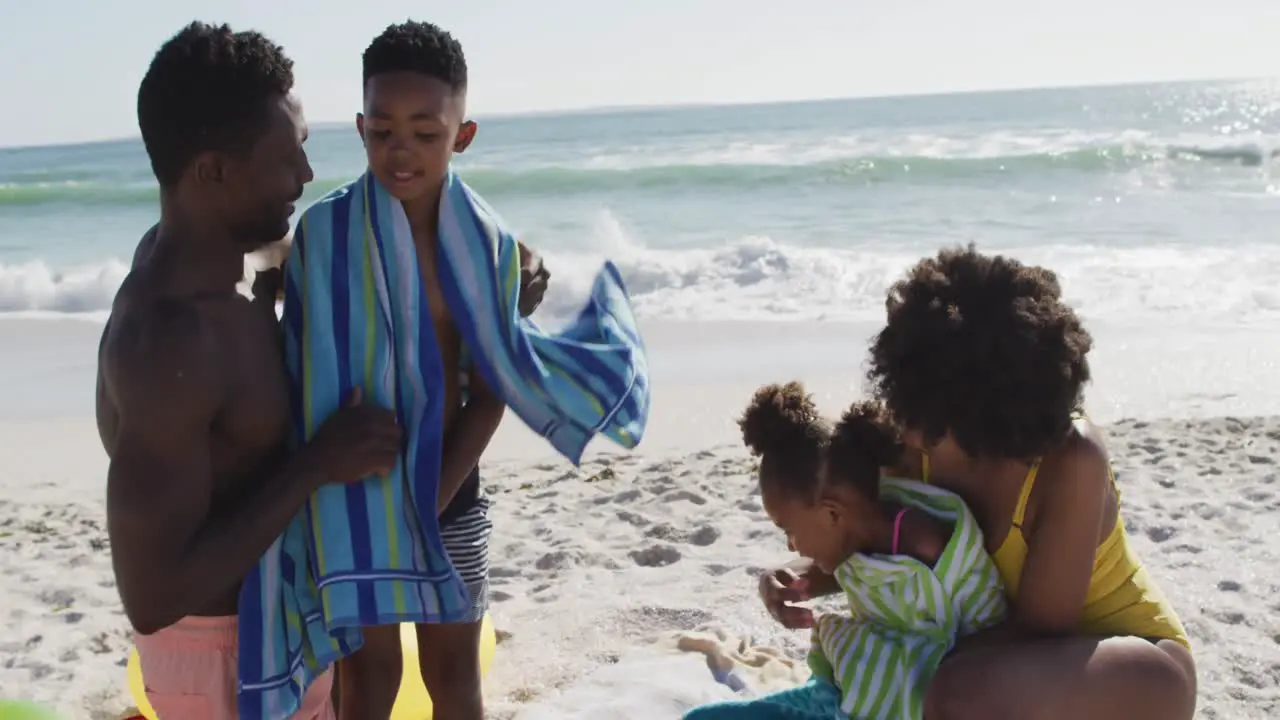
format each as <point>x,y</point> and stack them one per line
<point>1064,541</point>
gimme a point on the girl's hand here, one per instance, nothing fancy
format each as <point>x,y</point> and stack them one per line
<point>781,590</point>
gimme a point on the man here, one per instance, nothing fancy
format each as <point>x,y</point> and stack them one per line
<point>192,398</point>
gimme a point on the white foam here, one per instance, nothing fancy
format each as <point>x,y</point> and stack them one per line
<point>808,148</point>
<point>35,286</point>
<point>757,278</point>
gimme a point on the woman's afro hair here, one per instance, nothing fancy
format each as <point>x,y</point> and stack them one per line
<point>983,347</point>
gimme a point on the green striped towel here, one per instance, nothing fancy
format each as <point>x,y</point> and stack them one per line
<point>905,616</point>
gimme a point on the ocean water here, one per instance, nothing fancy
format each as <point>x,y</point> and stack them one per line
<point>1158,205</point>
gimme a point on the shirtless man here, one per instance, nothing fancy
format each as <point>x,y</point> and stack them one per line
<point>192,398</point>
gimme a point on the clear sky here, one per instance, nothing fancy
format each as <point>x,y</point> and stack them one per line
<point>69,69</point>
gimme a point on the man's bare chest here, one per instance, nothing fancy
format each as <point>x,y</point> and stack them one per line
<point>254,422</point>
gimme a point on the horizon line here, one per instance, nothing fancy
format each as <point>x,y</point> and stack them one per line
<point>666,107</point>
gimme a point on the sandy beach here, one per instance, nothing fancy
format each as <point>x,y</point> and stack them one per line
<point>595,568</point>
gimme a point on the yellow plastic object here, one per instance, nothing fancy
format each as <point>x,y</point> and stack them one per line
<point>412,702</point>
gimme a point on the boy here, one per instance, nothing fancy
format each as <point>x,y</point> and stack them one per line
<point>415,83</point>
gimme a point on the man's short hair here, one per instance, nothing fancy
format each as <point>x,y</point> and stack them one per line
<point>208,88</point>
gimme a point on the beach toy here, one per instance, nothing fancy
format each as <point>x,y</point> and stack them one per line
<point>412,702</point>
<point>22,710</point>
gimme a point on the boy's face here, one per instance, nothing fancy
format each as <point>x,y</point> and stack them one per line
<point>411,126</point>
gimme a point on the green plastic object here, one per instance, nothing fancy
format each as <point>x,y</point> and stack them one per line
<point>22,710</point>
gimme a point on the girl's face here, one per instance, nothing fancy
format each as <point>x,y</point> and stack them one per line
<point>822,531</point>
<point>946,459</point>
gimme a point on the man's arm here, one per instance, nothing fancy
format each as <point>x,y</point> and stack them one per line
<point>173,554</point>
<point>472,430</point>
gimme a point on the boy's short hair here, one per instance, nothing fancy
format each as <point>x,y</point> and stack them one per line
<point>419,47</point>
<point>983,347</point>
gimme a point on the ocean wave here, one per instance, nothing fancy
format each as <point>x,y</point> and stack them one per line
<point>740,169</point>
<point>38,287</point>
<point>756,278</point>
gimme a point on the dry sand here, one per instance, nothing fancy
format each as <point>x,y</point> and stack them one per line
<point>590,564</point>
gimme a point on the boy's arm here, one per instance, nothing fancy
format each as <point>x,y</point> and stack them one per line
<point>470,435</point>
<point>479,419</point>
<point>533,279</point>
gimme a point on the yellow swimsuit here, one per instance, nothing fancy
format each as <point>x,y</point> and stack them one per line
<point>1122,599</point>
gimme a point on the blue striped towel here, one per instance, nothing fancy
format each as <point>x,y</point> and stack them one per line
<point>370,553</point>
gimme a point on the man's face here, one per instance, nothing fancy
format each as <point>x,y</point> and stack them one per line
<point>411,126</point>
<point>257,190</point>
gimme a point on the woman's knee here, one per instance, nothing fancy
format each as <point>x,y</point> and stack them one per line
<point>1170,675</point>
<point>1066,678</point>
<point>956,693</point>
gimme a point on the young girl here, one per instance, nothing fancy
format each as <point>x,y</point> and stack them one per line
<point>982,366</point>
<point>908,556</point>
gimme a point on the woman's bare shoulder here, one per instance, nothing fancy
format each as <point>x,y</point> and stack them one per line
<point>1082,454</point>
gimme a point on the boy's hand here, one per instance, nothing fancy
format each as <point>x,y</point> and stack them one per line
<point>268,282</point>
<point>533,280</point>
<point>268,285</point>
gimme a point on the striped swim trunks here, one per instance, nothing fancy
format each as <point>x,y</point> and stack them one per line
<point>466,538</point>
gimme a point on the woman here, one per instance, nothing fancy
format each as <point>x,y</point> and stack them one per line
<point>982,366</point>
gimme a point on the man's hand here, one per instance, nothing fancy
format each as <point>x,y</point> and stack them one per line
<point>358,440</point>
<point>533,280</point>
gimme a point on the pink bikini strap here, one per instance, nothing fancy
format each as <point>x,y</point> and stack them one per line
<point>897,528</point>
